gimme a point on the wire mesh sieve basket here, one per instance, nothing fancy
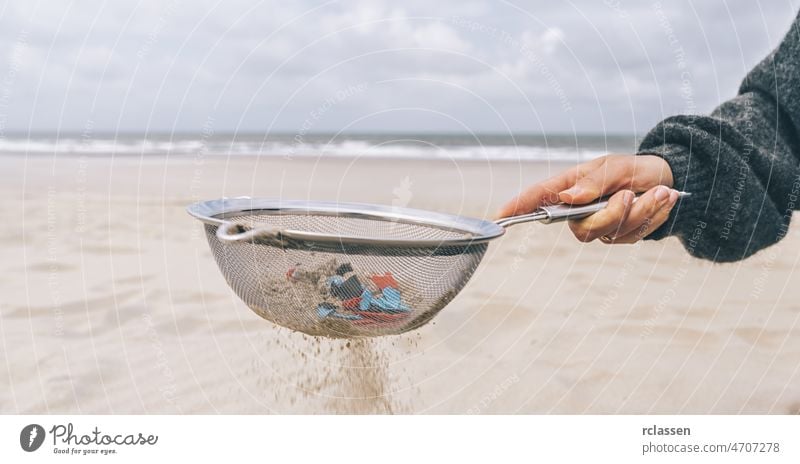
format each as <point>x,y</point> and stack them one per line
<point>342,269</point>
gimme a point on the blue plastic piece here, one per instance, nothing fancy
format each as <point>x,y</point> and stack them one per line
<point>389,302</point>
<point>366,300</point>
<point>324,311</point>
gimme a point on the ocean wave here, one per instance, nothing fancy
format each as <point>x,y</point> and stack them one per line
<point>290,148</point>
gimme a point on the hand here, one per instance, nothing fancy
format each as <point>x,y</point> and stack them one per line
<point>622,221</point>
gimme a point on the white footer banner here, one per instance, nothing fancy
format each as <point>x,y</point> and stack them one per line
<point>401,439</point>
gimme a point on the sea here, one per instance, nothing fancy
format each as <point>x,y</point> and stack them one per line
<point>528,147</point>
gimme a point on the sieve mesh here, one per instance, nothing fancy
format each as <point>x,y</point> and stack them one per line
<point>426,277</point>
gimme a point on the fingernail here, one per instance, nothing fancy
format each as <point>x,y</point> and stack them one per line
<point>661,194</point>
<point>673,196</point>
<point>628,197</point>
<point>573,191</point>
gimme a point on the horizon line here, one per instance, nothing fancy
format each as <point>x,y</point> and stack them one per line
<point>17,133</point>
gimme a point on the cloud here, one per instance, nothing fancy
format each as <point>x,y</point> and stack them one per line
<point>475,65</point>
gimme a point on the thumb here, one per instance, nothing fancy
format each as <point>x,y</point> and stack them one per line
<point>588,188</point>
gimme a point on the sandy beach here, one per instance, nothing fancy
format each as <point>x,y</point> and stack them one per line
<point>112,303</point>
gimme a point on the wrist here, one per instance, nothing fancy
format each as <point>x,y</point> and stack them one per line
<point>658,168</point>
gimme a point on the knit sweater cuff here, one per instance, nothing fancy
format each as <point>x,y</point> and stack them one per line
<point>686,176</point>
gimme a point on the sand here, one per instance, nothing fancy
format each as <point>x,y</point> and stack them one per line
<point>112,303</point>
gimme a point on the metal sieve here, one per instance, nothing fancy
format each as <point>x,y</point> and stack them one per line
<point>350,269</point>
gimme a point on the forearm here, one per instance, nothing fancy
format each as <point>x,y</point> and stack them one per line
<point>743,187</point>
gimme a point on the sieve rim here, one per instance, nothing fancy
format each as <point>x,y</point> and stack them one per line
<point>476,231</point>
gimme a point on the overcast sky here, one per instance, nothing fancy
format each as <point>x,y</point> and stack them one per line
<point>456,65</point>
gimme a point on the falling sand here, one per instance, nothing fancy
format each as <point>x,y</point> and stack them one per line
<point>362,381</point>
<point>347,376</point>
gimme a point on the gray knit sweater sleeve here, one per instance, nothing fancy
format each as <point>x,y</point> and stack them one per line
<point>741,163</point>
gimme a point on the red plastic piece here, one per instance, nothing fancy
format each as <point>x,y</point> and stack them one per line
<point>352,303</point>
<point>383,281</point>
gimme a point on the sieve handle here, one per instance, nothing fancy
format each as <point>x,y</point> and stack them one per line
<point>562,212</point>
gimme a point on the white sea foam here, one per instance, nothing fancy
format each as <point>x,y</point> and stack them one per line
<point>288,147</point>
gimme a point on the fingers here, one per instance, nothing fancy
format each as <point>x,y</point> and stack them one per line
<point>592,180</point>
<point>646,215</point>
<point>547,192</point>
<point>607,221</point>
<point>612,173</point>
<point>540,194</point>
